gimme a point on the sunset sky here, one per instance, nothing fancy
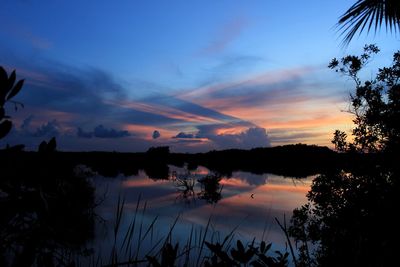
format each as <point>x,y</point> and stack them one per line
<point>194,75</point>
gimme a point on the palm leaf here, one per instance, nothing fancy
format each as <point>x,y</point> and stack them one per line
<point>368,14</point>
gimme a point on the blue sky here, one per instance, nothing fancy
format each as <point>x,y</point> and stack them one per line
<point>104,75</point>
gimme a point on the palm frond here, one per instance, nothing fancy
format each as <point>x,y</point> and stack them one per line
<point>368,14</point>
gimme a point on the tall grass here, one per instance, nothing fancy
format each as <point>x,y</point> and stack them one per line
<point>137,245</point>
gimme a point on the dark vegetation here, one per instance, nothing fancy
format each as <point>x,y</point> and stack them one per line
<point>375,105</point>
<point>349,219</point>
<point>291,161</point>
<point>46,213</point>
<point>46,209</point>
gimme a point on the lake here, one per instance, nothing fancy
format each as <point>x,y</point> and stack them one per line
<point>244,203</point>
<point>99,208</point>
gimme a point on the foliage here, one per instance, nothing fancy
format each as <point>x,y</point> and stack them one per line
<point>349,219</point>
<point>375,104</point>
<point>8,89</point>
<point>49,147</point>
<point>367,14</point>
<point>47,211</point>
<point>242,256</point>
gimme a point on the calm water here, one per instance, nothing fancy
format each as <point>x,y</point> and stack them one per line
<point>245,202</point>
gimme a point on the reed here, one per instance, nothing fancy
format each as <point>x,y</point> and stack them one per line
<point>204,246</point>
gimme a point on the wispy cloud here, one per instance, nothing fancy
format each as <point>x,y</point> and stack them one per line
<point>285,100</point>
<point>81,99</point>
<point>26,35</point>
<point>226,35</point>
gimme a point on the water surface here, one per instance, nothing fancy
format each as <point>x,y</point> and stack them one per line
<point>245,202</point>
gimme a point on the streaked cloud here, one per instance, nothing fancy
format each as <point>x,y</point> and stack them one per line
<point>26,35</point>
<point>284,102</point>
<point>226,35</point>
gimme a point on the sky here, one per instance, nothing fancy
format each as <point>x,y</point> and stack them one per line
<point>193,75</point>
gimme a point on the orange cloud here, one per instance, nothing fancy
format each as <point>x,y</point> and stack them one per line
<point>287,108</point>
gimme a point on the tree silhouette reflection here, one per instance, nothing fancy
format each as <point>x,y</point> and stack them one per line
<point>210,188</point>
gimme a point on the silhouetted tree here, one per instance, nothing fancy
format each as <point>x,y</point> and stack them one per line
<point>8,89</point>
<point>349,219</point>
<point>339,140</point>
<point>375,104</point>
<point>367,14</point>
<point>49,147</point>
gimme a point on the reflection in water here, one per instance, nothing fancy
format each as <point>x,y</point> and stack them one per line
<point>244,201</point>
<point>210,188</point>
<point>48,211</point>
<point>185,186</point>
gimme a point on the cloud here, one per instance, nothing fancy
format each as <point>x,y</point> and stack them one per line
<point>87,94</point>
<point>48,129</point>
<point>31,135</point>
<point>221,115</point>
<point>265,88</point>
<point>26,35</point>
<point>296,135</point>
<point>226,35</point>
<point>83,134</point>
<point>26,123</point>
<point>156,134</point>
<point>185,135</point>
<point>247,139</point>
<point>102,132</point>
<point>79,98</point>
<point>45,130</point>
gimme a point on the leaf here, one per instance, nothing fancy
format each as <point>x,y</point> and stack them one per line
<point>5,128</point>
<point>3,75</point>
<point>153,261</point>
<point>168,255</point>
<point>11,81</point>
<point>3,85</point>
<point>240,246</point>
<point>241,254</point>
<point>16,89</point>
